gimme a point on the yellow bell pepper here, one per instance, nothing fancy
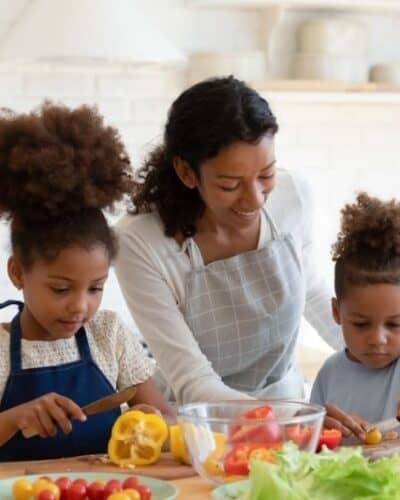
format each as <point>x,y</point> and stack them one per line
<point>177,445</point>
<point>137,438</point>
<point>179,451</point>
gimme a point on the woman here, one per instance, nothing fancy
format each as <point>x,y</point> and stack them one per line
<point>216,262</point>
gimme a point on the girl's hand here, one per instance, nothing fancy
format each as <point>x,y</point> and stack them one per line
<point>347,424</point>
<point>44,414</point>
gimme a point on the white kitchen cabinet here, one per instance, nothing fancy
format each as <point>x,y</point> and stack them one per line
<point>365,5</point>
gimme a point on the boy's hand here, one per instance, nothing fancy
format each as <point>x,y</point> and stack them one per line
<point>44,414</point>
<point>347,424</point>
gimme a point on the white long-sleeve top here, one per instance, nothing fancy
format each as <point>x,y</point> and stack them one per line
<point>152,271</point>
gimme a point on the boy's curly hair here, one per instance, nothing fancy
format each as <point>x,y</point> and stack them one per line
<point>58,169</point>
<point>367,250</point>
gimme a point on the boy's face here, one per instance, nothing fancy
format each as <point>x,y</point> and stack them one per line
<point>370,320</point>
<point>62,294</point>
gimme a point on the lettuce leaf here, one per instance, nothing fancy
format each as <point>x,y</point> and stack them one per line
<point>330,475</point>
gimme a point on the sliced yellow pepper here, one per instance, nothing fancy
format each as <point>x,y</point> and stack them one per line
<point>177,445</point>
<point>179,450</point>
<point>137,438</point>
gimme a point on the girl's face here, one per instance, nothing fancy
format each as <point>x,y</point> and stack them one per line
<point>62,294</point>
<point>370,320</point>
<point>235,184</point>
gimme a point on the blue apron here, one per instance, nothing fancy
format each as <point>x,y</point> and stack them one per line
<point>82,381</point>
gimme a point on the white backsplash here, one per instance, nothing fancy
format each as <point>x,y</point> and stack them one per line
<point>340,146</point>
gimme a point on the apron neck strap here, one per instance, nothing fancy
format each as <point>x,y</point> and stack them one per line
<point>83,344</point>
<point>7,303</point>
<point>274,230</point>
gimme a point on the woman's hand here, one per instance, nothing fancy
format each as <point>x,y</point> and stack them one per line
<point>347,424</point>
<point>46,413</point>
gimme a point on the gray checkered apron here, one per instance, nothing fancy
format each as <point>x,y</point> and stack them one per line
<point>245,314</point>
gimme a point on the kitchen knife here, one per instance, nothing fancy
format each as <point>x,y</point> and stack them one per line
<point>100,405</point>
<point>385,425</point>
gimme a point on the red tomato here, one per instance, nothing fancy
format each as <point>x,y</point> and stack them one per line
<point>77,491</point>
<point>236,462</point>
<point>95,490</point>
<point>330,438</point>
<point>46,495</point>
<point>130,482</point>
<point>113,486</point>
<point>63,483</point>
<point>299,434</point>
<point>79,480</point>
<point>145,492</point>
<point>260,433</point>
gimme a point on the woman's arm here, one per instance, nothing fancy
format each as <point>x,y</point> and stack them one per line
<point>156,312</point>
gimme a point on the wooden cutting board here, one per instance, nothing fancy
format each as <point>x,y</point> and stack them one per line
<point>166,468</point>
<point>386,448</point>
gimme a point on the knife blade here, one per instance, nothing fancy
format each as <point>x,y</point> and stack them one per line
<point>100,405</point>
<point>385,425</point>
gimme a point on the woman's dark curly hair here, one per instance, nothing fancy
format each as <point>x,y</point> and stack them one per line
<point>203,120</point>
<point>367,250</point>
<point>58,169</point>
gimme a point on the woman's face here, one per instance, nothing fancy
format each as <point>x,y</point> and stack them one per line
<point>235,184</point>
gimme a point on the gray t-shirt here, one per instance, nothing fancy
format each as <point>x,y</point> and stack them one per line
<point>356,389</point>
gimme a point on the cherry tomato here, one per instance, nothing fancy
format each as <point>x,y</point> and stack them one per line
<point>46,495</point>
<point>77,491</point>
<point>80,480</point>
<point>330,438</point>
<point>120,495</point>
<point>46,478</point>
<point>132,494</point>
<point>22,490</point>
<point>95,490</point>
<point>131,482</point>
<point>40,485</point>
<point>299,434</point>
<point>373,436</point>
<point>63,484</point>
<point>144,491</point>
<point>113,486</point>
<point>268,432</point>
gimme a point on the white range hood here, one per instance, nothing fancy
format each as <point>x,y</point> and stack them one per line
<point>84,31</point>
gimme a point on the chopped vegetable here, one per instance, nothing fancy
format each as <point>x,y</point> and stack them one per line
<point>330,438</point>
<point>137,438</point>
<point>299,434</point>
<point>177,445</point>
<point>268,432</point>
<point>237,460</point>
<point>391,435</point>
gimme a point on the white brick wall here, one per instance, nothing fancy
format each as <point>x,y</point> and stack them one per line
<point>340,146</point>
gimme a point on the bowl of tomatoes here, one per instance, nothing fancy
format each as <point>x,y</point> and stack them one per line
<point>223,437</point>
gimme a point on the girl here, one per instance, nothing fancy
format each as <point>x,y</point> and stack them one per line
<point>58,170</point>
<point>364,379</point>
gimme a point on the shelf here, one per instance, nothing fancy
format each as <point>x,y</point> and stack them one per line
<point>375,5</point>
<point>326,91</point>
